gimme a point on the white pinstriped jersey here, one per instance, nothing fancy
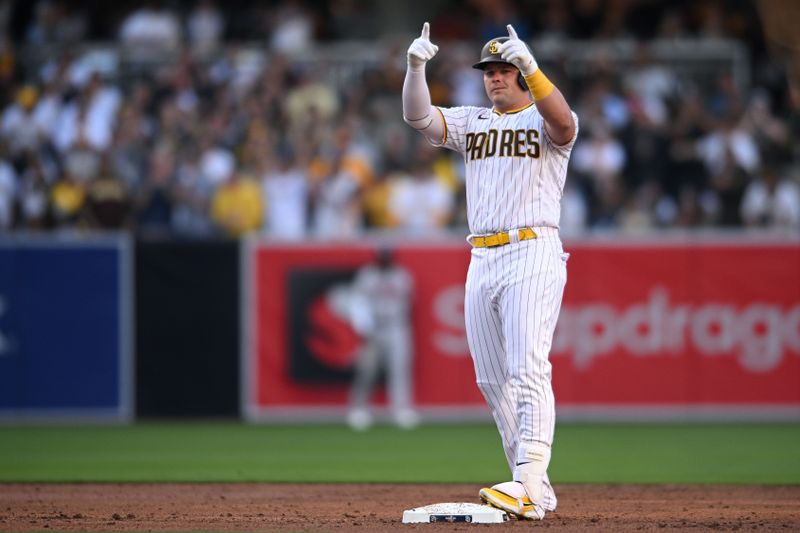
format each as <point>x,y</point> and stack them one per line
<point>515,173</point>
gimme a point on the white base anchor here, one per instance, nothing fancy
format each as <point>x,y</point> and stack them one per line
<point>472,513</point>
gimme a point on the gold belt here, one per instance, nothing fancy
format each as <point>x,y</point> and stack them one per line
<point>501,238</point>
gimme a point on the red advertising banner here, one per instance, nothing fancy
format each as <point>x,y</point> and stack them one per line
<point>668,327</point>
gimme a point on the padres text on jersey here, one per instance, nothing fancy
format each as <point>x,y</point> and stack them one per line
<point>503,143</point>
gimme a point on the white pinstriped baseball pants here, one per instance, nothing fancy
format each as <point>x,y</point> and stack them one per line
<point>513,297</point>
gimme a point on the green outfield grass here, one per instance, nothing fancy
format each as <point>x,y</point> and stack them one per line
<point>720,453</point>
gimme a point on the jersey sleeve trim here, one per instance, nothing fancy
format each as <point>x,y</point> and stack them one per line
<point>444,130</point>
<point>444,122</point>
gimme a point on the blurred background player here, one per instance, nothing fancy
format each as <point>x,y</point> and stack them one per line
<point>381,302</point>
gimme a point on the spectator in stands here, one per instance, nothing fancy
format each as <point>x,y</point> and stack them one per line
<point>419,203</point>
<point>771,201</point>
<point>128,154</point>
<point>725,193</point>
<point>688,212</point>
<point>729,143</point>
<point>685,165</point>
<point>291,28</point>
<point>56,23</point>
<point>638,213</point>
<point>650,85</point>
<point>646,147</point>
<point>18,126</point>
<point>574,209</point>
<point>90,118</point>
<point>193,192</point>
<point>151,32</point>
<point>32,194</point>
<point>47,109</point>
<point>310,105</point>
<point>770,134</point>
<point>609,201</point>
<point>44,25</point>
<point>600,158</point>
<point>398,150</point>
<point>375,200</point>
<point>236,206</point>
<point>604,102</point>
<point>108,201</point>
<point>8,62</point>
<point>284,188</point>
<point>154,201</point>
<point>205,26</point>
<point>217,162</point>
<point>68,194</point>
<point>726,100</point>
<point>338,176</point>
<point>468,89</point>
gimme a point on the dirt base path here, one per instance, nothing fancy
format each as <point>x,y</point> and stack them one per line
<point>352,507</point>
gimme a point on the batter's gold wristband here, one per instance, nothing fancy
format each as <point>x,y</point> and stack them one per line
<point>539,85</point>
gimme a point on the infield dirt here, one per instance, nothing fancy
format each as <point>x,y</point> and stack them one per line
<point>379,507</point>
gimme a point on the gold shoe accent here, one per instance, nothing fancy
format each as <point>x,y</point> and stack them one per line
<point>519,507</point>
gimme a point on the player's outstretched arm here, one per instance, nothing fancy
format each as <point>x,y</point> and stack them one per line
<point>549,100</point>
<point>557,117</point>
<point>417,109</point>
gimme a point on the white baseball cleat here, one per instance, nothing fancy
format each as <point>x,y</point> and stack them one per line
<point>359,419</point>
<point>512,498</point>
<point>406,419</point>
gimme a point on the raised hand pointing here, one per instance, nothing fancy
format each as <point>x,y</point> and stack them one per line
<point>422,49</point>
<point>517,52</point>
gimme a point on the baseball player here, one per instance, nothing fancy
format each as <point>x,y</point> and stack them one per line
<point>516,156</point>
<point>381,303</point>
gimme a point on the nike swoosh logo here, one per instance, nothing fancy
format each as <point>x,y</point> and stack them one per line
<point>483,117</point>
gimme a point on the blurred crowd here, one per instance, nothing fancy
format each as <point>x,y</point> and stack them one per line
<point>199,135</point>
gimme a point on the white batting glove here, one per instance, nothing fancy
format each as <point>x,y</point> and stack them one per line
<point>516,52</point>
<point>422,49</point>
